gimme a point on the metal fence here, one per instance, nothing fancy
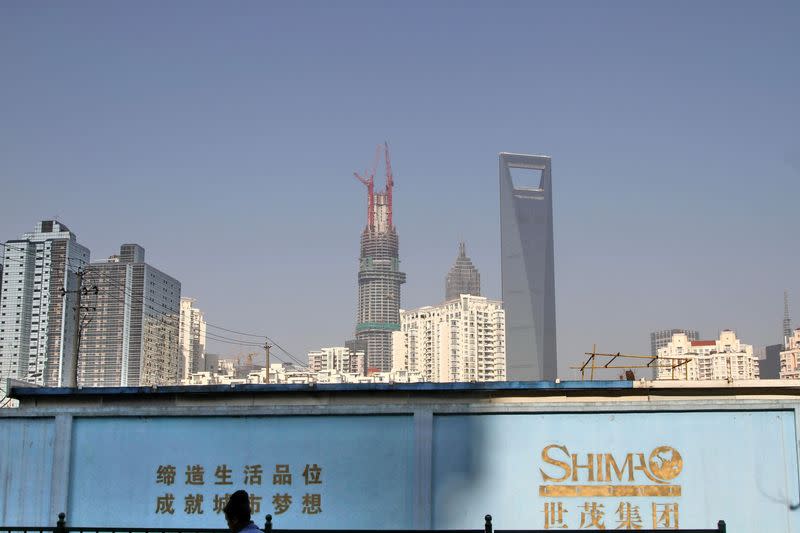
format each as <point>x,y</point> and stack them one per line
<point>61,527</point>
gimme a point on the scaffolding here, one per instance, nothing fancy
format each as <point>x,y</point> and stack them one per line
<point>604,361</point>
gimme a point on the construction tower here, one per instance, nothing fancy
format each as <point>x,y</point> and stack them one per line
<point>379,276</point>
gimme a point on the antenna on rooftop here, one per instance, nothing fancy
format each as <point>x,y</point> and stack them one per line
<point>787,323</point>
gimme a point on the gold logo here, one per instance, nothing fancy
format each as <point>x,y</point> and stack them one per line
<point>602,474</point>
<point>665,463</point>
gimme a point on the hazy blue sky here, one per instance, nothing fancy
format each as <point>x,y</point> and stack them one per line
<point>222,137</point>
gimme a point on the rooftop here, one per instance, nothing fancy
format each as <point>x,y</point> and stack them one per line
<point>396,395</point>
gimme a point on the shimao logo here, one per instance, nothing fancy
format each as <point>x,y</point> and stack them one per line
<point>631,491</point>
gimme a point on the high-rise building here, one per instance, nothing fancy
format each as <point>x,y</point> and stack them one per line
<point>463,278</point>
<point>210,362</point>
<point>379,276</point>
<point>130,337</point>
<point>724,358</point>
<point>356,345</point>
<point>769,367</point>
<point>528,279</point>
<point>192,338</point>
<point>659,339</point>
<point>339,358</point>
<point>790,357</point>
<point>459,340</point>
<point>37,317</point>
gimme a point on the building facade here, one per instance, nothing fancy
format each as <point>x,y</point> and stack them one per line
<point>769,365</point>
<point>527,269</point>
<point>131,336</point>
<point>339,358</point>
<point>463,278</point>
<point>659,339</point>
<point>37,318</point>
<point>790,357</point>
<point>192,338</point>
<point>460,340</point>
<point>379,276</point>
<point>725,358</point>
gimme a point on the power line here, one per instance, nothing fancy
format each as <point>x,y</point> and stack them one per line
<point>239,341</point>
<point>104,277</point>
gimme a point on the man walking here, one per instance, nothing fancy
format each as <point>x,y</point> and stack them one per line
<point>237,514</point>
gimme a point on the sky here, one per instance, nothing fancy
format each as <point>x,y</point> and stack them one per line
<point>222,137</point>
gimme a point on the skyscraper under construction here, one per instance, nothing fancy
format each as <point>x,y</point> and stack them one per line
<point>379,276</point>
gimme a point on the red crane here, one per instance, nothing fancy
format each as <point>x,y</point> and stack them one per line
<point>369,181</point>
<point>389,185</point>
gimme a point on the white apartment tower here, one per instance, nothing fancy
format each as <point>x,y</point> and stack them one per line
<point>132,337</point>
<point>790,357</point>
<point>340,358</point>
<point>191,338</point>
<point>36,318</point>
<point>460,340</point>
<point>724,358</point>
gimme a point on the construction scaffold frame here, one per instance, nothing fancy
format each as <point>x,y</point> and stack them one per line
<point>603,361</point>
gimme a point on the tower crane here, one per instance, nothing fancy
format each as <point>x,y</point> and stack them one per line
<point>368,179</point>
<point>389,185</point>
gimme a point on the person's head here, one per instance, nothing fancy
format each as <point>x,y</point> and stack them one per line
<point>237,510</point>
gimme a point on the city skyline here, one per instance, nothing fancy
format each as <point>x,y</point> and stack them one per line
<point>218,164</point>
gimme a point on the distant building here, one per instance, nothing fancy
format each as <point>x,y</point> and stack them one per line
<point>787,321</point>
<point>130,336</point>
<point>339,358</point>
<point>659,339</point>
<point>463,278</point>
<point>790,357</point>
<point>289,374</point>
<point>192,338</point>
<point>211,362</point>
<point>37,318</point>
<point>358,345</point>
<point>724,358</point>
<point>527,268</point>
<point>459,340</point>
<point>769,367</point>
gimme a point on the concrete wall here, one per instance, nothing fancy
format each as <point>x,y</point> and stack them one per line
<point>408,457</point>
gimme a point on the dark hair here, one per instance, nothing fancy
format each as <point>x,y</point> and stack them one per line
<point>238,506</point>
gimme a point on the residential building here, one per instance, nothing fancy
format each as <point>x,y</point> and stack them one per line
<point>790,357</point>
<point>339,358</point>
<point>527,268</point>
<point>191,338</point>
<point>379,276</point>
<point>38,300</point>
<point>463,277</point>
<point>459,340</point>
<point>130,336</point>
<point>725,358</point>
<point>358,345</point>
<point>289,374</point>
<point>659,339</point>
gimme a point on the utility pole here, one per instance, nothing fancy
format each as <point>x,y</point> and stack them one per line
<point>69,368</point>
<point>267,346</point>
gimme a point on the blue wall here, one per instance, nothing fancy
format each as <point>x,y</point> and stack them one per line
<point>737,466</point>
<point>365,467</point>
<point>740,466</point>
<point>26,468</point>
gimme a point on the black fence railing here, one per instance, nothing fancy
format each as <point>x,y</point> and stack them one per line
<point>61,527</point>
